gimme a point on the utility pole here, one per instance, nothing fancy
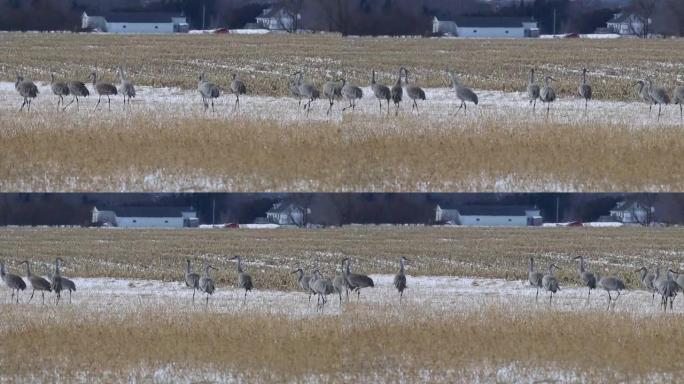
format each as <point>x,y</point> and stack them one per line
<point>557,206</point>
<point>204,14</point>
<point>554,21</point>
<point>213,211</point>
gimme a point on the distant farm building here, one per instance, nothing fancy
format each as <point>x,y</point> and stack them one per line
<point>275,19</point>
<point>497,27</point>
<point>283,213</point>
<point>489,215</point>
<point>146,217</point>
<point>135,22</point>
<point>626,24</point>
<point>631,212</point>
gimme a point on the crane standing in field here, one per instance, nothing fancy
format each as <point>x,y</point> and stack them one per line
<point>208,91</point>
<point>547,94</point>
<point>127,89</point>
<point>381,92</point>
<point>27,90</point>
<point>308,91</point>
<point>206,284</point>
<point>397,93</point>
<point>659,96</point>
<point>356,281</point>
<point>303,281</point>
<point>462,93</point>
<point>37,283</point>
<point>534,277</point>
<point>351,93</point>
<point>611,283</point>
<point>294,86</point>
<point>59,89</point>
<point>244,279</point>
<point>584,89</point>
<point>646,279</point>
<point>550,283</point>
<point>340,284</point>
<point>413,91</point>
<point>532,90</point>
<point>587,277</point>
<point>237,87</point>
<point>13,282</point>
<point>678,98</point>
<point>103,89</point>
<point>191,280</point>
<point>56,281</point>
<point>323,287</point>
<point>332,91</point>
<point>644,94</point>
<point>76,89</point>
<point>668,290</point>
<point>400,278</point>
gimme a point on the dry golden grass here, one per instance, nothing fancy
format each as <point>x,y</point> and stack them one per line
<point>382,344</point>
<point>271,255</point>
<point>265,61</point>
<point>157,152</point>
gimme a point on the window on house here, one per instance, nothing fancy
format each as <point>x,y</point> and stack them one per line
<point>124,27</point>
<point>135,221</point>
<point>474,30</point>
<point>156,27</point>
<point>506,32</point>
<point>478,219</point>
<point>509,220</point>
<point>166,221</point>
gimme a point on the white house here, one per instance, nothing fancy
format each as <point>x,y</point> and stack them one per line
<point>631,212</point>
<point>146,217</point>
<point>135,22</point>
<point>501,27</point>
<point>276,19</point>
<point>626,24</point>
<point>489,215</point>
<point>285,214</point>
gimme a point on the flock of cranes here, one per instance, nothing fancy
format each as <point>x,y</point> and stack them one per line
<point>341,90</point>
<point>55,282</point>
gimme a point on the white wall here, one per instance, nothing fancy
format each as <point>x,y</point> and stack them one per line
<point>491,32</point>
<point>140,27</point>
<point>494,221</point>
<point>149,222</point>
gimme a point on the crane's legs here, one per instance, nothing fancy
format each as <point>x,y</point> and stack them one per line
<point>22,104</point>
<point>550,298</point>
<point>32,292</point>
<point>548,106</point>
<point>193,294</point>
<point>330,107</point>
<point>396,112</point>
<point>609,300</point>
<point>72,101</point>
<point>237,102</point>
<point>659,106</point>
<point>387,107</point>
<point>109,103</point>
<point>586,101</point>
<point>536,298</point>
<point>459,108</point>
<point>70,296</point>
<point>212,106</point>
<point>98,102</point>
<point>401,296</point>
<point>589,295</point>
<point>244,301</point>
<point>43,294</point>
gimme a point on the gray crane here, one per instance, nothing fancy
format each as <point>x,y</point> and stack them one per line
<point>64,283</point>
<point>191,280</point>
<point>68,285</point>
<point>532,90</point>
<point>658,95</point>
<point>244,279</point>
<point>332,91</point>
<point>307,91</point>
<point>584,89</point>
<point>13,282</point>
<point>400,278</point>
<point>550,283</point>
<point>208,91</point>
<point>647,281</point>
<point>658,280</point>
<point>462,93</point>
<point>611,283</point>
<point>668,290</point>
<point>59,89</point>
<point>356,281</point>
<point>206,283</point>
<point>678,98</point>
<point>587,277</point>
<point>381,92</point>
<point>413,91</point>
<point>27,90</point>
<point>397,92</point>
<point>644,94</point>
<point>534,277</point>
<point>303,281</point>
<point>322,286</point>
<point>103,89</point>
<point>37,283</point>
<point>340,284</point>
<point>127,89</point>
<point>679,279</point>
<point>237,87</point>
<point>56,281</point>
<point>76,89</point>
<point>547,94</point>
<point>294,86</point>
<point>351,93</point>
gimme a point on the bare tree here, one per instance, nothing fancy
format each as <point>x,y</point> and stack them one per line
<point>337,15</point>
<point>643,10</point>
<point>290,15</point>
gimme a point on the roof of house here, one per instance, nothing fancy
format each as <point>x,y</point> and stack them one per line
<point>282,208</point>
<point>140,17</point>
<point>490,209</point>
<point>627,205</point>
<point>490,21</point>
<point>151,211</point>
<point>270,12</point>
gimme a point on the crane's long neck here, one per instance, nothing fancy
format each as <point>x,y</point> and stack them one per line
<point>94,78</point>
<point>206,270</point>
<point>348,270</point>
<point>2,270</point>
<point>643,274</point>
<point>373,78</point>
<point>239,265</point>
<point>28,270</point>
<point>187,268</point>
<point>551,270</point>
<point>657,273</point>
<point>52,78</point>
<point>531,267</point>
<point>531,79</point>
<point>401,266</point>
<point>580,265</point>
<point>56,267</point>
<point>300,275</point>
<point>584,77</point>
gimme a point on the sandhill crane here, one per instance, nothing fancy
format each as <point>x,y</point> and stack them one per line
<point>340,284</point>
<point>308,91</point>
<point>462,93</point>
<point>679,279</point>
<point>587,277</point>
<point>397,93</point>
<point>206,283</point>
<point>56,281</point>
<point>356,281</point>
<point>332,91</point>
<point>658,95</point>
<point>103,89</point>
<point>400,278</point>
<point>678,98</point>
<point>668,290</point>
<point>532,90</point>
<point>534,277</point>
<point>59,89</point>
<point>68,285</point>
<point>13,282</point>
<point>303,281</point>
<point>208,91</point>
<point>413,91</point>
<point>76,89</point>
<point>37,283</point>
<point>584,89</point>
<point>647,281</point>
<point>237,87</point>
<point>127,89</point>
<point>244,279</point>
<point>547,94</point>
<point>294,86</point>
<point>27,90</point>
<point>381,92</point>
<point>611,283</point>
<point>191,279</point>
<point>322,286</point>
<point>351,93</point>
<point>644,95</point>
<point>550,283</point>
<point>658,280</point>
